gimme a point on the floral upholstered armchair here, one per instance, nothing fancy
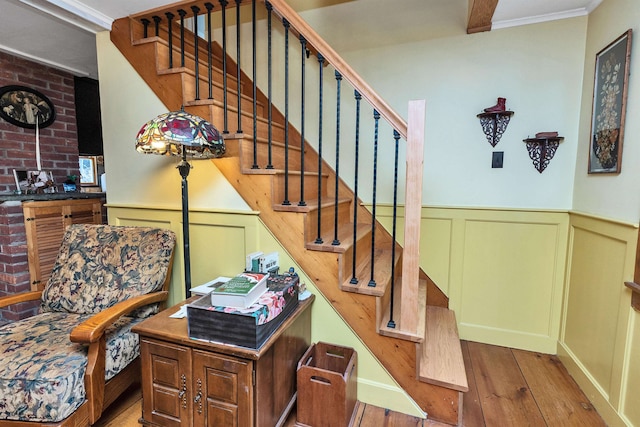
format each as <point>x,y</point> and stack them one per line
<point>66,364</point>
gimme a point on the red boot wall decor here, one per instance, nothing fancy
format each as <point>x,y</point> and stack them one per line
<point>500,106</point>
<point>494,121</point>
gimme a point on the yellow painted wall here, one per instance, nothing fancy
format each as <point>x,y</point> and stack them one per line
<point>219,242</point>
<point>599,342</point>
<point>503,271</point>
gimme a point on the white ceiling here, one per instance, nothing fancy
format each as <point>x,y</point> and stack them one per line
<point>63,36</point>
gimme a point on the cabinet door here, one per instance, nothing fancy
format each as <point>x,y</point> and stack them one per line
<point>166,383</point>
<point>223,390</point>
<point>44,228</point>
<point>84,213</point>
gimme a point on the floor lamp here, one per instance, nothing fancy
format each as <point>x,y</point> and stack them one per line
<point>178,133</point>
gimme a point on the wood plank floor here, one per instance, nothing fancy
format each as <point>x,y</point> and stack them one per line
<point>507,388</point>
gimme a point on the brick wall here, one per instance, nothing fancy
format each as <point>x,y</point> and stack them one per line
<point>58,153</point>
<point>14,266</point>
<point>58,142</point>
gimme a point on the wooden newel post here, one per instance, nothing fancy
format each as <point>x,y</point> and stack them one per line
<point>412,212</point>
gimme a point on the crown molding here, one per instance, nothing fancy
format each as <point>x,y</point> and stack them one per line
<point>74,13</point>
<point>537,19</point>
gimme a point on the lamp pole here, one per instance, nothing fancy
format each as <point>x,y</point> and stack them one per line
<point>184,168</point>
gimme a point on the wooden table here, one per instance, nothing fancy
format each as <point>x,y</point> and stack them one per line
<point>187,382</point>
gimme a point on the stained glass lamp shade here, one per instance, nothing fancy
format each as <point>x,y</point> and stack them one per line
<point>178,133</point>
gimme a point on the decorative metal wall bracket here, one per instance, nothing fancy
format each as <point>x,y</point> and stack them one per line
<point>494,125</point>
<point>542,150</point>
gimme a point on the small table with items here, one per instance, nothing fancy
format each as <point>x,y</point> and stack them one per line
<point>195,382</point>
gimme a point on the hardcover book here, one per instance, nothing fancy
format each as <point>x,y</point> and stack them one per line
<point>207,288</point>
<point>240,291</point>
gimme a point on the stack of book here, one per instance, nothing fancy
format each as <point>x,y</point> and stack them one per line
<point>241,291</point>
<point>211,318</point>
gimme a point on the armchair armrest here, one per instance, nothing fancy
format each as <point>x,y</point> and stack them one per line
<point>92,329</point>
<point>21,297</point>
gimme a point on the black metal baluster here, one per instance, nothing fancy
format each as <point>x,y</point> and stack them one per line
<point>238,66</point>
<point>145,27</point>
<point>304,52</point>
<point>182,14</point>
<point>156,21</point>
<point>224,3</point>
<point>255,92</point>
<point>196,53</point>
<point>321,66</point>
<point>336,241</point>
<point>286,25</point>
<point>391,323</point>
<point>376,117</point>
<point>209,7</point>
<point>354,279</point>
<point>170,17</point>
<point>270,88</point>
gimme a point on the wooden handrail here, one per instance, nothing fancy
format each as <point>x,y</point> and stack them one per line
<point>285,11</point>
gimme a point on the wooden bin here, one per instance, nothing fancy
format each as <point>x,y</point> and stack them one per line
<point>327,387</point>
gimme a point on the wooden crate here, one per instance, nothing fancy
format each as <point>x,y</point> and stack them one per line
<point>327,386</point>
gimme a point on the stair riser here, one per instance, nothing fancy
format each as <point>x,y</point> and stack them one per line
<point>327,221</point>
<point>294,194</point>
<point>277,156</point>
<point>189,92</point>
<point>362,254</point>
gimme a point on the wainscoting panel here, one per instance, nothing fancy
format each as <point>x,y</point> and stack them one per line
<point>599,343</point>
<point>503,271</point>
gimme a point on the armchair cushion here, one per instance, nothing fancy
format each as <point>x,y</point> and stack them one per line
<point>42,371</point>
<point>94,271</point>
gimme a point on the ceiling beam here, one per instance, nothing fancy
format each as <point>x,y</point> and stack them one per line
<point>480,15</point>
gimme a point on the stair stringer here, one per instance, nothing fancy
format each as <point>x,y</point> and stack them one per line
<point>358,311</point>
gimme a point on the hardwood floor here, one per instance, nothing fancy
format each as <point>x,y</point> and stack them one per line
<point>507,388</point>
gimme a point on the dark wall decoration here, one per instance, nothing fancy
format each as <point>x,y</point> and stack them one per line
<point>25,107</point>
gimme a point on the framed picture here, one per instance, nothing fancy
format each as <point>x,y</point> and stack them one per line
<point>25,107</point>
<point>88,170</point>
<point>609,106</point>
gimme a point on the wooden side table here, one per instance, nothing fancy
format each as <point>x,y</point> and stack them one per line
<point>187,382</point>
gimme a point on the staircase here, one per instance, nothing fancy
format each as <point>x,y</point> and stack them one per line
<point>317,218</point>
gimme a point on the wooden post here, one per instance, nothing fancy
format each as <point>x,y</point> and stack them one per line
<point>409,308</point>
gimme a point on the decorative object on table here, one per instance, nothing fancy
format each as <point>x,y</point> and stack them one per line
<point>240,291</point>
<point>253,262</point>
<point>249,327</point>
<point>609,106</point>
<point>542,148</point>
<point>71,184</point>
<point>88,170</point>
<point>32,182</point>
<point>178,133</point>
<point>26,107</point>
<point>494,121</point>
<point>207,288</point>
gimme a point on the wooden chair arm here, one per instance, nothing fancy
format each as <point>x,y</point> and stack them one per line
<point>92,329</point>
<point>22,297</point>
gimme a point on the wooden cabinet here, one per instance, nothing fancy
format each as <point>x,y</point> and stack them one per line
<point>45,223</point>
<point>195,383</point>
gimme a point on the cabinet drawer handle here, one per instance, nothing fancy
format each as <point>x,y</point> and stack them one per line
<point>198,398</point>
<point>183,393</point>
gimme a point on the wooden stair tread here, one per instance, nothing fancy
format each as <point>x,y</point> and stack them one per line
<point>382,275</point>
<point>441,360</point>
<point>310,205</point>
<point>345,236</point>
